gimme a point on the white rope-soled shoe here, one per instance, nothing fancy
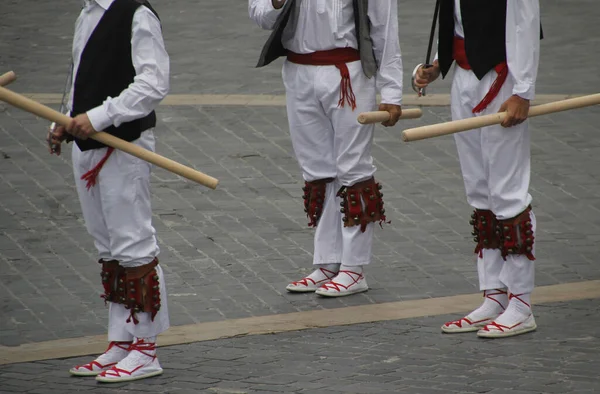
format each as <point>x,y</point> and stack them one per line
<point>495,330</point>
<point>465,325</point>
<point>115,352</point>
<point>344,284</point>
<point>491,308</point>
<point>141,363</point>
<point>311,282</point>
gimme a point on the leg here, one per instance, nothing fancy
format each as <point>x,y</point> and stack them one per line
<point>312,138</point>
<point>508,153</point>
<point>466,94</point>
<point>125,194</point>
<point>91,204</point>
<point>91,207</point>
<point>354,164</point>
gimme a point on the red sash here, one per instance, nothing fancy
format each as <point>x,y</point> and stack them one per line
<point>335,57</point>
<point>501,69</point>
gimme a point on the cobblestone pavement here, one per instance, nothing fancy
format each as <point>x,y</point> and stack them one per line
<point>229,253</point>
<point>405,356</point>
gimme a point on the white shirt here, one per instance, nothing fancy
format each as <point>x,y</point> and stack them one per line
<point>522,43</point>
<point>150,60</point>
<point>329,24</point>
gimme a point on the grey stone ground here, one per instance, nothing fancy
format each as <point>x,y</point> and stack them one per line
<point>229,253</point>
<point>406,356</point>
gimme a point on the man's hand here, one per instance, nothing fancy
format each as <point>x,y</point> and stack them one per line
<point>81,127</point>
<point>395,113</point>
<point>277,4</point>
<point>517,110</point>
<point>56,135</point>
<point>425,76</point>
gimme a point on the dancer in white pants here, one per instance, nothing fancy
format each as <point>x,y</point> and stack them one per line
<point>496,71</point>
<point>121,73</point>
<point>328,81</point>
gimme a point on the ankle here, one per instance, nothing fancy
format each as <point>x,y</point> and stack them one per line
<point>354,268</point>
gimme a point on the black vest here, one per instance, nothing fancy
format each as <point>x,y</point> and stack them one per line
<point>484,24</point>
<point>106,69</point>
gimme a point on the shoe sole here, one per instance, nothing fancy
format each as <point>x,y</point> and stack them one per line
<point>340,294</point>
<point>129,378</point>
<point>89,373</point>
<point>300,290</point>
<point>494,334</point>
<point>460,330</point>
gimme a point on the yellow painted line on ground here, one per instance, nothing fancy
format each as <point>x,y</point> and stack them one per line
<point>64,348</point>
<point>263,100</point>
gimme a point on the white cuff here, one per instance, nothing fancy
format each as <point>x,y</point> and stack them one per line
<point>99,118</point>
<point>525,91</point>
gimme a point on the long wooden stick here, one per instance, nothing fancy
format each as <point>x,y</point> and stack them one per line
<point>41,110</point>
<point>437,130</point>
<point>382,116</point>
<point>7,78</point>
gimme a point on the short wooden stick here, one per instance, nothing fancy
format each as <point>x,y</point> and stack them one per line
<point>7,78</point>
<point>48,113</point>
<point>457,126</point>
<point>382,116</point>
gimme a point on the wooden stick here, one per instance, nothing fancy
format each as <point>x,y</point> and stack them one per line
<point>7,78</point>
<point>38,109</point>
<point>382,116</point>
<point>436,130</point>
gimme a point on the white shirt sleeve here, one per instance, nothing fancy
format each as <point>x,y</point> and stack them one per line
<point>263,13</point>
<point>151,83</point>
<point>523,45</point>
<point>383,15</point>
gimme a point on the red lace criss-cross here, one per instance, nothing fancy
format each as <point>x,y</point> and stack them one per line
<point>489,296</point>
<point>90,366</point>
<point>140,346</point>
<point>517,296</point>
<point>338,286</point>
<point>459,323</point>
<point>500,327</point>
<point>304,282</point>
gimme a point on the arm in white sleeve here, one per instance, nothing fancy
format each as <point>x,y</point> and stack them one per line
<point>523,45</point>
<point>263,13</point>
<point>383,15</point>
<point>151,83</point>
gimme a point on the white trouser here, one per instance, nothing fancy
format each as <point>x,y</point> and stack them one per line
<point>118,215</point>
<point>495,163</point>
<point>330,143</point>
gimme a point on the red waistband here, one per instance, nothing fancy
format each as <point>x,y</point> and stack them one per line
<point>331,57</point>
<point>459,54</point>
<point>335,57</point>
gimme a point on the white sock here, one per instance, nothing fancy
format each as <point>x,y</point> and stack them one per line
<point>494,303</point>
<point>324,271</point>
<point>348,275</point>
<point>355,268</point>
<point>519,308</point>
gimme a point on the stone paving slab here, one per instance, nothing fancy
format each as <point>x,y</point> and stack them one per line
<point>403,356</point>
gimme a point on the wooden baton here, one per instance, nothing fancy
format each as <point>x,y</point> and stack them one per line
<point>7,78</point>
<point>48,113</point>
<point>382,116</point>
<point>437,130</point>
